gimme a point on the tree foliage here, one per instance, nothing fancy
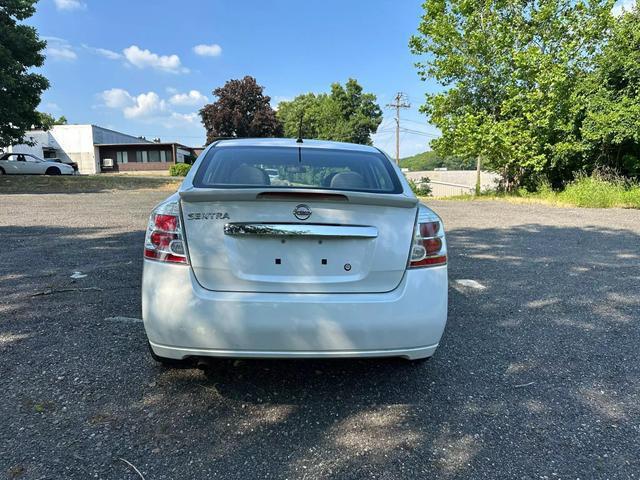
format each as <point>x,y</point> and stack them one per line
<point>241,110</point>
<point>430,160</point>
<point>20,88</point>
<point>513,74</point>
<point>346,114</point>
<point>47,121</point>
<point>421,187</point>
<point>611,124</point>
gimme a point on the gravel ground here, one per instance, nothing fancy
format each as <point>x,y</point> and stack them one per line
<point>537,375</point>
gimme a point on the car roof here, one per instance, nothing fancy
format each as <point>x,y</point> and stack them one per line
<point>292,143</point>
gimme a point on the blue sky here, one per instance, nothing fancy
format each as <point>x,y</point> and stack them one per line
<point>145,68</point>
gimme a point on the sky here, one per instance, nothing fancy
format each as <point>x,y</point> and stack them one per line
<point>145,68</point>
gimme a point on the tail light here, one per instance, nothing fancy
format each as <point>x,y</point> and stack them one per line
<point>164,241</point>
<point>429,247</point>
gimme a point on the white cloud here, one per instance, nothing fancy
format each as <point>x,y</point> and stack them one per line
<point>104,52</point>
<point>144,58</point>
<point>192,99</point>
<point>623,6</point>
<point>152,110</point>
<point>185,117</point>
<point>59,49</point>
<point>69,4</point>
<point>213,50</point>
<point>116,98</point>
<point>145,105</point>
<point>147,108</point>
<point>110,54</point>
<point>62,53</point>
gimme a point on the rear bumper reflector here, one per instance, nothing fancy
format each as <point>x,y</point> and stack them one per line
<point>300,230</point>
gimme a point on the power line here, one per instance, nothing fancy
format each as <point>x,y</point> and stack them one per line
<point>385,130</point>
<point>418,132</point>
<point>423,124</point>
<point>386,122</point>
<point>400,101</point>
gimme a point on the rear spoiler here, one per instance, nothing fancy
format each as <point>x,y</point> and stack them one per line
<point>296,195</point>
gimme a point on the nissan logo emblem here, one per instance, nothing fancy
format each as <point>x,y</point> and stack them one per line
<point>302,211</point>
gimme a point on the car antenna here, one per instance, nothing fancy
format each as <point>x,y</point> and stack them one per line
<point>299,140</point>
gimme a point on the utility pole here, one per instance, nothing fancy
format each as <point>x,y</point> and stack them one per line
<point>478,170</point>
<point>400,101</point>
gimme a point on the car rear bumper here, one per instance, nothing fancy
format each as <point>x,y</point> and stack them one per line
<point>183,319</point>
<point>182,352</point>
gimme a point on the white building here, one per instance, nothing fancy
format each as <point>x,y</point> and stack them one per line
<point>78,143</point>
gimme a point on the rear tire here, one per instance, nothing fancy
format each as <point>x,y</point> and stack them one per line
<point>167,362</point>
<point>52,171</point>
<point>2,171</point>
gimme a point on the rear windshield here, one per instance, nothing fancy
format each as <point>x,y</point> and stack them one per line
<point>281,167</point>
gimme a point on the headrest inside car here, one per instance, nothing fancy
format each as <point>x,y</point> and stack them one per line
<point>348,180</point>
<point>248,175</point>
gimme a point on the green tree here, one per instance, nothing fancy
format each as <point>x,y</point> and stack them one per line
<point>511,72</point>
<point>20,88</point>
<point>47,121</point>
<point>611,125</point>
<point>430,160</point>
<point>345,115</point>
<point>241,110</point>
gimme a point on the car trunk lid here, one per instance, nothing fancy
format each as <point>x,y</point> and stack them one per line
<point>297,241</point>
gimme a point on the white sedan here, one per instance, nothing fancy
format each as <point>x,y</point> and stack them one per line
<point>338,258</point>
<point>26,164</point>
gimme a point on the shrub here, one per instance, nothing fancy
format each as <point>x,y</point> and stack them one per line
<point>421,187</point>
<point>600,193</point>
<point>179,170</point>
<point>605,188</point>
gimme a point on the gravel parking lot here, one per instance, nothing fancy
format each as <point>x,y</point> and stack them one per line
<point>537,376</point>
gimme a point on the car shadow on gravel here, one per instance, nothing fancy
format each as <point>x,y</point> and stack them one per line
<point>538,374</point>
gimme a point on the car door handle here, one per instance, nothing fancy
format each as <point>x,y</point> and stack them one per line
<point>300,230</point>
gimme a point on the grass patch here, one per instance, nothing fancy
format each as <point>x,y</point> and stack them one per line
<point>587,192</point>
<point>83,183</point>
<point>595,193</point>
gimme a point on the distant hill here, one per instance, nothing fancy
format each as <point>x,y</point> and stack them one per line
<point>430,160</point>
